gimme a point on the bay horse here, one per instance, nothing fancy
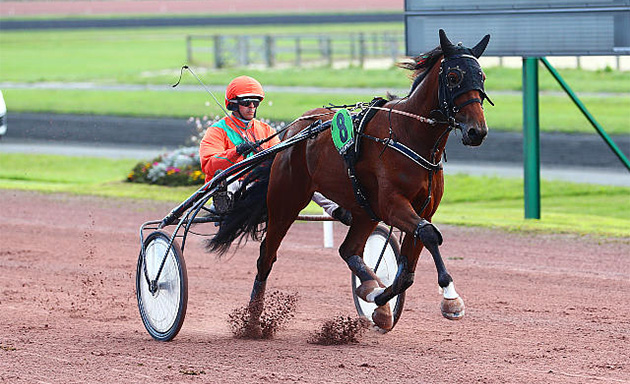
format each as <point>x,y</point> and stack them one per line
<point>398,191</point>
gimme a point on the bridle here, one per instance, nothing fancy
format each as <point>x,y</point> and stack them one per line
<point>456,77</point>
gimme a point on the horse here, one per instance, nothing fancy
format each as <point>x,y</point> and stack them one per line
<point>396,189</point>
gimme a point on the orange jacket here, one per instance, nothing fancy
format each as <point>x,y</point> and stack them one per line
<point>218,146</point>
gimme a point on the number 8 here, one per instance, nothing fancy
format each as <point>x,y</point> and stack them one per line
<point>343,133</point>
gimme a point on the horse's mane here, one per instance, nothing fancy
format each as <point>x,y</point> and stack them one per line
<point>420,65</point>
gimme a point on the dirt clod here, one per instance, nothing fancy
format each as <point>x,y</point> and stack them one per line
<point>340,330</point>
<point>261,320</point>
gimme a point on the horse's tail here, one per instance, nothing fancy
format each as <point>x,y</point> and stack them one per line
<point>247,217</point>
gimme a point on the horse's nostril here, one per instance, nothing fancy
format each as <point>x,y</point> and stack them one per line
<point>472,133</point>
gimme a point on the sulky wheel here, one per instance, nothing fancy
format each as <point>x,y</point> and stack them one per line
<point>162,301</point>
<point>386,270</point>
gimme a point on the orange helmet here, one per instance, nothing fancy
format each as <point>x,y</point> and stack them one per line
<point>243,87</point>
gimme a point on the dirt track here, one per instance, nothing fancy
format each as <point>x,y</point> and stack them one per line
<point>540,309</point>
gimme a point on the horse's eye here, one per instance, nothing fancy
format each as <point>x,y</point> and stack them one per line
<point>453,78</point>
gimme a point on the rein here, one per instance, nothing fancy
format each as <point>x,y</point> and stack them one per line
<point>451,121</point>
<point>280,131</point>
<point>421,119</point>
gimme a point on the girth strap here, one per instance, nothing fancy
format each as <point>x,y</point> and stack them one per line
<point>358,190</point>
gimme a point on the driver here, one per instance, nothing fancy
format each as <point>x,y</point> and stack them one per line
<point>238,135</point>
<point>234,137</point>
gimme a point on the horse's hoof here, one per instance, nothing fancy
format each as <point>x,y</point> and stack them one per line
<point>453,309</point>
<point>253,330</point>
<point>366,288</point>
<point>382,318</point>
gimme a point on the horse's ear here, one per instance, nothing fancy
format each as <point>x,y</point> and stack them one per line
<point>445,43</point>
<point>478,49</point>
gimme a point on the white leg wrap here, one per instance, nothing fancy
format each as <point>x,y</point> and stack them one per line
<point>372,295</point>
<point>449,292</point>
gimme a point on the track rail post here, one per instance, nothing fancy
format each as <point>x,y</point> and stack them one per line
<point>531,138</point>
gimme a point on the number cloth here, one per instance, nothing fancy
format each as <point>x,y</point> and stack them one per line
<point>342,130</point>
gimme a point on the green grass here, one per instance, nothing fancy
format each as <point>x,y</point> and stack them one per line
<point>284,107</point>
<point>558,114</point>
<point>122,54</point>
<point>154,56</point>
<point>352,77</point>
<point>138,55</point>
<point>54,169</point>
<point>80,175</point>
<point>608,81</point>
<point>471,201</point>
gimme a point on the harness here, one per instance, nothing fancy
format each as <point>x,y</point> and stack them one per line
<point>350,150</point>
<point>453,82</point>
<point>350,153</point>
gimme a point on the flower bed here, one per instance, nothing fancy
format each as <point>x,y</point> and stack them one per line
<point>180,167</point>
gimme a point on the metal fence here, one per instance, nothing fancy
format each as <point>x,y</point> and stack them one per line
<point>221,51</point>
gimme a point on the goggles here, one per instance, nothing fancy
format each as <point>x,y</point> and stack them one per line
<point>247,102</point>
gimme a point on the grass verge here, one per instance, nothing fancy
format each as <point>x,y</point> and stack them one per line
<point>470,201</point>
<point>154,56</point>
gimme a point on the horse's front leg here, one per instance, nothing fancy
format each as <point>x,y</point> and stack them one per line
<point>423,233</point>
<point>404,276</point>
<point>452,304</point>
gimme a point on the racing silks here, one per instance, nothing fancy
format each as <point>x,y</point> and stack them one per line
<point>218,146</point>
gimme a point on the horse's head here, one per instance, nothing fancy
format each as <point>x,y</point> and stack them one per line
<point>461,92</point>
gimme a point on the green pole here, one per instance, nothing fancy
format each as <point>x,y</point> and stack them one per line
<point>531,138</point>
<point>586,113</point>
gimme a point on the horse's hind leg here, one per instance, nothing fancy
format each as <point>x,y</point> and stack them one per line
<point>276,230</point>
<point>267,257</point>
<point>285,199</point>
<point>371,286</point>
<point>256,301</point>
